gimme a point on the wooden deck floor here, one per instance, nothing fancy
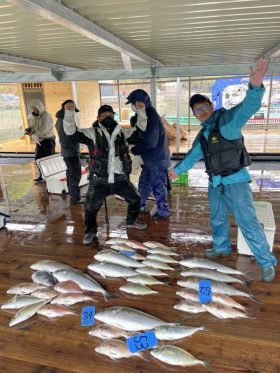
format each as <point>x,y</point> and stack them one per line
<point>45,226</point>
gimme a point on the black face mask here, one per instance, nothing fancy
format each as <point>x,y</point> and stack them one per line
<point>109,123</point>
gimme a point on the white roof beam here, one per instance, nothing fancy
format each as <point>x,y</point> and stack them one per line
<point>8,58</point>
<point>60,14</point>
<point>273,52</point>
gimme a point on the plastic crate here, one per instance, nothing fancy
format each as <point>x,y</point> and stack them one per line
<point>266,218</point>
<point>182,179</point>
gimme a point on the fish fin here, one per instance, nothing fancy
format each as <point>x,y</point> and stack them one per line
<point>144,355</point>
<point>254,299</point>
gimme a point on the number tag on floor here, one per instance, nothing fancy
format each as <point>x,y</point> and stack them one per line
<point>88,313</point>
<point>141,342</point>
<point>205,291</point>
<point>127,253</point>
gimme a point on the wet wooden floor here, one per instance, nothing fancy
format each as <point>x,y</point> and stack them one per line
<point>45,226</point>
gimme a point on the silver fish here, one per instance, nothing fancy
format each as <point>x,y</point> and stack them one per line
<point>150,271</point>
<point>45,293</point>
<point>49,266</point>
<point>191,307</point>
<point>105,331</point>
<point>162,258</point>
<point>130,243</point>
<point>174,355</point>
<point>66,287</point>
<point>217,287</point>
<point>157,264</point>
<point>160,250</point>
<point>84,281</point>
<point>111,270</point>
<point>70,299</point>
<point>115,349</point>
<point>129,319</point>
<point>43,278</point>
<point>25,288</point>
<point>110,256</point>
<point>26,312</point>
<point>137,289</point>
<point>211,274</point>
<point>171,333</point>
<point>221,299</point>
<point>153,244</point>
<point>224,312</point>
<point>19,301</point>
<point>144,280</point>
<point>134,253</point>
<point>54,310</point>
<point>205,263</point>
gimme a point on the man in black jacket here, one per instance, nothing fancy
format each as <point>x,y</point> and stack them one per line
<point>70,152</point>
<point>110,166</point>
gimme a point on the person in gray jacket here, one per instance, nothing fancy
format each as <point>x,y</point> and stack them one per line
<point>41,128</point>
<point>70,151</point>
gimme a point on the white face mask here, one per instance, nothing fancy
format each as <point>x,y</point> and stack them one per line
<point>133,108</point>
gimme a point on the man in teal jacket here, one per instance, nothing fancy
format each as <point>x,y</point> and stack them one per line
<point>220,142</point>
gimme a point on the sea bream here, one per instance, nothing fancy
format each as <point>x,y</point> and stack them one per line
<point>105,331</point>
<point>54,310</point>
<point>70,299</point>
<point>111,270</point>
<point>190,307</point>
<point>174,355</point>
<point>116,349</point>
<point>49,266</point>
<point>211,274</point>
<point>84,281</point>
<point>137,289</point>
<point>221,299</point>
<point>26,312</point>
<point>129,319</point>
<point>224,312</point>
<point>66,287</point>
<point>217,287</point>
<point>205,263</point>
<point>171,333</point>
<point>45,293</point>
<point>110,256</point>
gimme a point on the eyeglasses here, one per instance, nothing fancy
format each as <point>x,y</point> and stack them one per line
<point>201,109</point>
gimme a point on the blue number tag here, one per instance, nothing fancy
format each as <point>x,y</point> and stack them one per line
<point>127,253</point>
<point>88,313</point>
<point>141,342</point>
<point>205,291</point>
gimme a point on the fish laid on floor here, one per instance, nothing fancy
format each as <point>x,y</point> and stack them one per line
<point>171,333</point>
<point>160,250</point>
<point>70,299</point>
<point>25,288</point>
<point>26,312</point>
<point>110,256</point>
<point>116,349</point>
<point>111,270</point>
<point>224,312</point>
<point>19,301</point>
<point>137,289</point>
<point>43,278</point>
<point>66,287</point>
<point>162,258</point>
<point>45,293</point>
<point>224,300</point>
<point>154,244</point>
<point>174,355</point>
<point>144,280</point>
<point>157,264</point>
<point>49,266</point>
<point>54,310</point>
<point>84,281</point>
<point>129,319</point>
<point>150,271</point>
<point>135,255</point>
<point>205,263</point>
<point>105,331</point>
<point>190,307</point>
<point>217,287</point>
<point>130,243</point>
<point>211,274</point>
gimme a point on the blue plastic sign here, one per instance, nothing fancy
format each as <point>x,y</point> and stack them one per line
<point>88,313</point>
<point>205,291</point>
<point>127,252</point>
<point>141,342</point>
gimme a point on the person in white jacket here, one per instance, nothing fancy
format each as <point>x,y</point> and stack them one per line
<point>41,128</point>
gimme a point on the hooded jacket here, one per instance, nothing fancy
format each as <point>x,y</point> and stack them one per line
<point>149,139</point>
<point>230,123</point>
<point>69,147</point>
<point>41,125</point>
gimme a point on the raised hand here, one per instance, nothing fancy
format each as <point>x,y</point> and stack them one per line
<point>256,76</point>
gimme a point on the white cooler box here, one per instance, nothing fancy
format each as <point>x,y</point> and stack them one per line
<point>53,169</point>
<point>266,218</point>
